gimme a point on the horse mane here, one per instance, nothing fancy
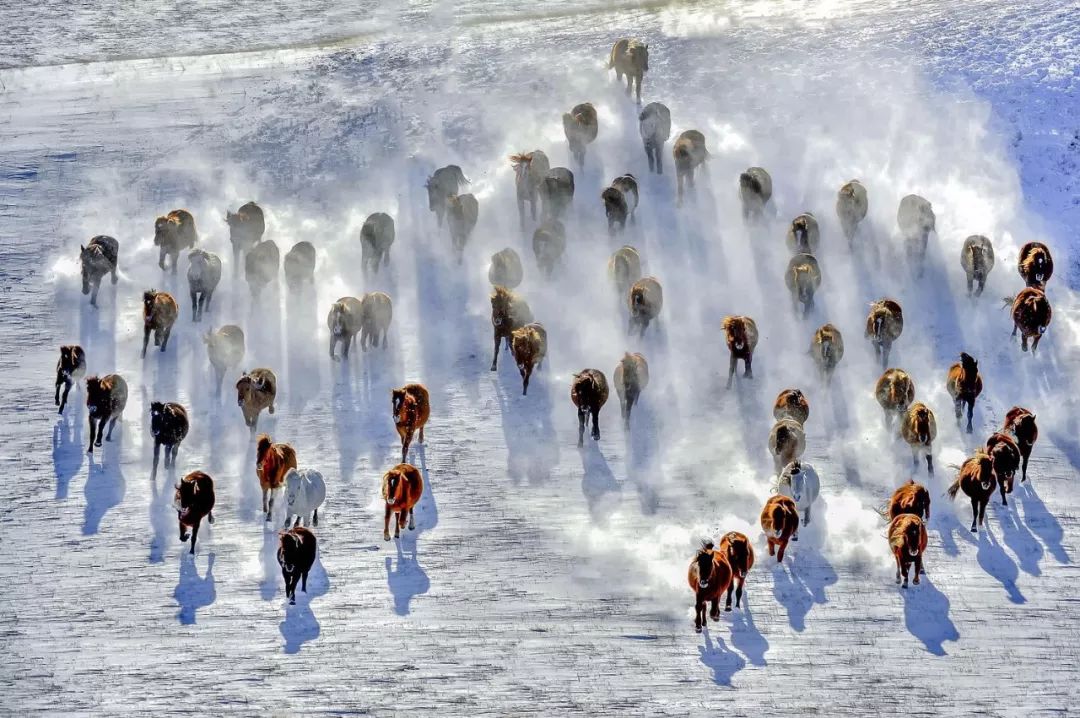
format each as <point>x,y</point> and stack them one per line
<point>501,292</point>
<point>521,158</point>
<point>731,324</point>
<point>262,445</point>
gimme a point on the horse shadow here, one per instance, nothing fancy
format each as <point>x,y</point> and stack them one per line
<point>271,569</point>
<point>105,489</point>
<point>300,625</point>
<point>643,447</point>
<point>407,578</point>
<point>304,375</point>
<point>926,615</point>
<point>68,452</point>
<point>801,584</point>
<point>1016,536</point>
<point>722,661</point>
<point>997,563</point>
<point>946,523</point>
<point>161,511</point>
<point>344,410</point>
<point>745,635</point>
<point>532,447</point>
<point>1042,523</point>
<point>193,591</point>
<point>250,505</point>
<point>599,486</point>
<point>429,510</point>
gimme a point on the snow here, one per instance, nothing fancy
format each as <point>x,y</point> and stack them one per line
<point>540,579</point>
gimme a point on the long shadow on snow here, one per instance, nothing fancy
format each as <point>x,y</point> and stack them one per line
<point>532,447</point>
<point>68,449</point>
<point>1016,536</point>
<point>193,591</point>
<point>1041,522</point>
<point>300,624</point>
<point>105,486</point>
<point>407,577</point>
<point>347,425</point>
<point>801,582</point>
<point>601,490</point>
<point>301,349</point>
<point>997,563</point>
<point>947,524</point>
<point>723,662</point>
<point>162,516</point>
<point>642,449</point>
<point>745,635</point>
<point>926,614</point>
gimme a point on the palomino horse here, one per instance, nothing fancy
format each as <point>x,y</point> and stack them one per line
<point>272,463</point>
<point>964,385</point>
<point>741,335</point>
<point>345,320</point>
<point>654,125</point>
<point>203,275</point>
<point>376,313</point>
<point>98,258</point>
<point>299,266</point>
<point>529,171</point>
<point>894,392</point>
<point>193,500</point>
<point>69,369</point>
<point>645,300</point>
<point>624,268</point>
<point>915,218</point>
<point>296,555</point>
<point>779,521</point>
<point>827,349</point>
<point>1020,423</point>
<point>1006,457</point>
<point>529,346</point>
<point>851,206</point>
<point>246,228</point>
<point>402,487</point>
<point>411,405</point>
<point>755,192</point>
<point>738,550</point>
<point>977,259</point>
<point>172,233</point>
<point>1031,315</point>
<point>255,391</point>
<point>631,376</point>
<point>225,347</point>
<point>919,429</point>
<point>977,479</point>
<point>106,398</point>
<point>1035,264</point>
<point>884,325</point>
<point>159,315</point>
<point>631,58</point>
<point>508,312</point>
<point>580,126</point>
<point>376,238</point>
<point>589,392</point>
<point>709,577</point>
<point>907,538</point>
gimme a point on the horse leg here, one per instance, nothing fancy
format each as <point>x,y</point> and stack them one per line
<point>1035,343</point>
<point>581,427</point>
<point>183,532</point>
<point>1001,486</point>
<point>386,524</point>
<point>398,523</point>
<point>738,592</point>
<point>145,339</point>
<point>270,505</point>
<point>112,425</point>
<point>596,424</point>
<point>495,356</point>
<point>678,187</point>
<point>194,536</point>
<point>898,563</point>
<point>406,440</point>
<point>90,449</point>
<point>731,370</point>
<point>699,612</point>
<point>748,363</point>
<point>412,520</point>
<point>974,515</point>
<point>772,546</point>
<point>904,567</point>
<point>315,518</point>
<point>730,588</point>
<point>157,449</point>
<point>659,147</point>
<point>780,552</point>
<point>714,612</point>
<point>971,410</point>
<point>165,338</point>
<point>161,258</point>
<point>918,569</point>
<point>929,462</point>
<point>969,283</point>
<point>303,581</point>
<point>67,390</point>
<point>957,408</point>
<point>982,510</point>
<point>1024,462</point>
<point>194,306</point>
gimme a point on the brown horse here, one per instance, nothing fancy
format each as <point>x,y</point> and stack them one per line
<point>508,312</point>
<point>791,404</point>
<point>345,320</point>
<point>1006,457</point>
<point>779,520</point>
<point>1031,315</point>
<point>246,228</point>
<point>977,259</point>
<point>627,184</point>
<point>255,391</point>
<point>919,429</point>
<point>169,426</point>
<point>589,392</point>
<point>97,259</point>
<point>709,576</point>
<point>1021,424</point>
<point>646,299</point>
<point>225,347</point>
<point>631,376</point>
<point>411,405</point>
<point>261,265</point>
<point>505,269</point>
<point>172,233</point>
<point>203,275</point>
<point>894,392</point>
<point>977,479</point>
<point>916,220</point>
<point>964,385</point>
<point>376,312</point>
<point>911,498</point>
<point>376,238</point>
<point>1035,264</point>
<point>851,207</point>
<point>557,192</point>
<point>402,487</point>
<point>106,398</point>
<point>907,538</point>
<point>689,153</point>
<point>549,244</point>
<point>827,349</point>
<point>299,266</point>
<point>69,369</point>
<point>194,499</point>
<point>741,335</point>
<point>443,183</point>
<point>654,126</point>
<point>462,211</point>
<point>803,278</point>
<point>616,209</point>
<point>580,126</point>
<point>804,236</point>
<point>884,325</point>
<point>272,463</point>
<point>624,268</point>
<point>738,550</point>
<point>631,58</point>
<point>159,315</point>
<point>296,555</point>
<point>755,192</point>
<point>529,171</point>
<point>787,442</point>
<point>529,346</point>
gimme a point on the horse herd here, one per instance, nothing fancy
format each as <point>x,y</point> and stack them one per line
<point>549,193</point>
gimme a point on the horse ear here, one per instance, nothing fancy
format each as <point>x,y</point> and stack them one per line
<point>82,248</point>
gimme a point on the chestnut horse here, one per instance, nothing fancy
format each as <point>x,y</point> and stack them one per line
<point>1031,315</point>
<point>787,442</point>
<point>624,268</point>
<point>402,487</point>
<point>580,126</point>
<point>508,312</point>
<point>977,479</point>
<point>106,398</point>
<point>741,335</point>
<point>907,538</point>
<point>631,376</point>
<point>964,385</point>
<point>1035,264</point>
<point>529,171</point>
<point>894,391</point>
<point>255,391</point>
<point>827,349</point>
<point>911,498</point>
<point>803,278</point>
<point>1021,424</point>
<point>738,550</point>
<point>589,392</point>
<point>646,299</point>
<point>884,325</point>
<point>791,404</point>
<point>689,153</point>
<point>505,269</point>
<point>159,315</point>
<point>412,408</point>
<point>194,499</point>
<point>919,429</point>
<point>174,232</point>
<point>69,369</point>
<point>529,346</point>
<point>631,58</point>
<point>272,463</point>
<point>709,577</point>
<point>779,521</point>
<point>1006,457</point>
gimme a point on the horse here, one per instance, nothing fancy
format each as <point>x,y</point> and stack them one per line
<point>261,266</point>
<point>549,244</point>
<point>1031,315</point>
<point>344,321</point>
<point>709,577</point>
<point>580,126</point>
<point>615,208</point>
<point>529,171</point>
<point>557,192</point>
<point>631,376</point>
<point>894,392</point>
<point>1035,264</point>
<point>443,183</point>
<point>977,479</point>
<point>168,425</point>
<point>305,492</point>
<point>98,258</point>
<point>1005,454</point>
<point>225,347</point>
<point>411,406</point>
<point>919,429</point>
<point>738,550</point>
<point>646,299</point>
<point>589,392</point>
<point>246,228</point>
<point>299,265</point>
<point>787,442</point>
<point>402,487</point>
<point>791,404</point>
<point>1020,423</point>
<point>624,268</point>
<point>827,349</point>
<point>462,211</point>
<point>915,218</point>
<point>505,269</point>
<point>977,259</point>
<point>804,235</point>
<point>173,233</point>
<point>529,346</point>
<point>272,463</point>
<point>106,398</point>
<point>755,192</point>
<point>376,312</point>
<point>376,237</point>
<point>194,500</point>
<point>508,312</point>
<point>741,335</point>
<point>884,325</point>
<point>631,58</point>
<point>689,153</point>
<point>779,522</point>
<point>255,391</point>
<point>159,315</point>
<point>803,277</point>
<point>907,538</point>
<point>964,384</point>
<point>627,184</point>
<point>654,126</point>
<point>851,206</point>
<point>296,555</point>
<point>799,481</point>
<point>70,368</point>
<point>203,275</point>
<point>911,498</point>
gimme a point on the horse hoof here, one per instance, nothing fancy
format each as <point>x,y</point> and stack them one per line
<point>916,581</point>
<point>386,537</point>
<point>727,609</point>
<point>904,586</point>
<point>974,530</point>
<point>697,629</point>
<point>794,538</point>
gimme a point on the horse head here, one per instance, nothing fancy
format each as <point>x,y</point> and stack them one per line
<point>986,472</point>
<point>148,302</point>
<point>735,329</point>
<point>397,400</point>
<point>921,421</point>
<point>288,544</point>
<point>912,538</point>
<point>501,302</point>
<point>394,482</point>
<point>970,365</point>
<point>293,486</point>
<point>157,417</point>
<point>796,479</point>
<point>705,563</point>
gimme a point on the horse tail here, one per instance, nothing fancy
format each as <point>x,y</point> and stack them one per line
<point>953,489</point>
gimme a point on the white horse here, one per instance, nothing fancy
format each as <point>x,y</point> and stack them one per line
<point>305,492</point>
<point>800,482</point>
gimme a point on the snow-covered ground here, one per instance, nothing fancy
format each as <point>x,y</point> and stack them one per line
<point>541,578</point>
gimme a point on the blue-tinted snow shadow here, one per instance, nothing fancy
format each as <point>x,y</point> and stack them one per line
<point>532,447</point>
<point>800,582</point>
<point>193,591</point>
<point>601,489</point>
<point>643,448</point>
<point>68,449</point>
<point>405,577</point>
<point>300,625</point>
<point>996,562</point>
<point>745,636</point>
<point>722,661</point>
<point>926,614</point>
<point>105,485</point>
<point>1017,537</point>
